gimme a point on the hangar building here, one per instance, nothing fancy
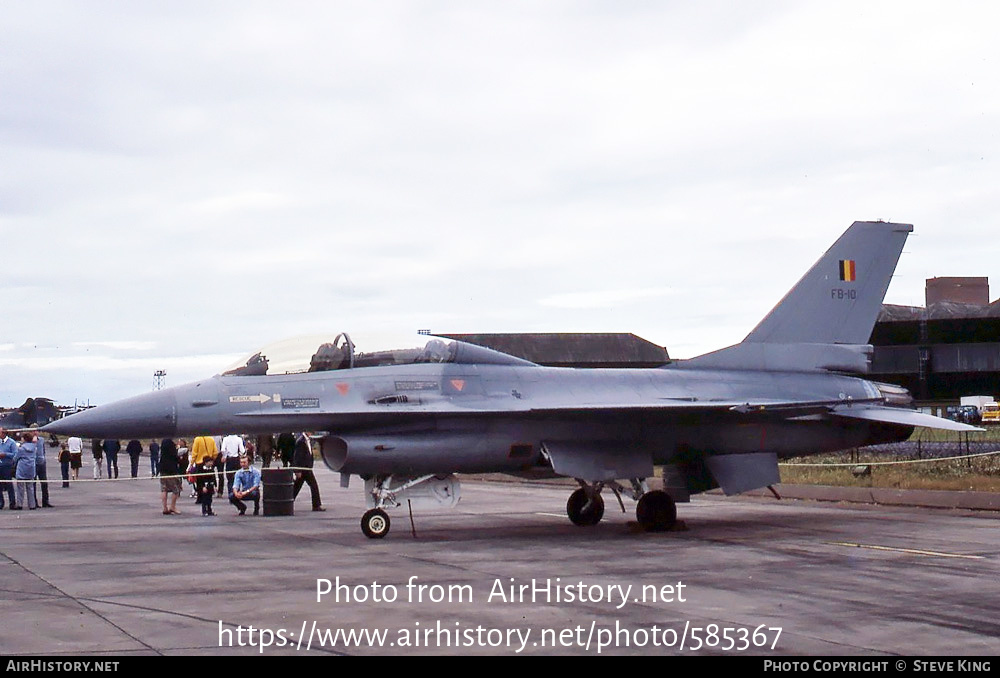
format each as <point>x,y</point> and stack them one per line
<point>944,350</point>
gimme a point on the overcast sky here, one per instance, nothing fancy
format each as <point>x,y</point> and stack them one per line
<point>183,182</point>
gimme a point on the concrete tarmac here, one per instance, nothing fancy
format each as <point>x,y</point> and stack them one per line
<point>104,573</point>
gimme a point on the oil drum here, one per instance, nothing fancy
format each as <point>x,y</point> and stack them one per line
<point>279,491</point>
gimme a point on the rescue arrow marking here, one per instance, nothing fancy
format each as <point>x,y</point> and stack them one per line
<point>259,398</point>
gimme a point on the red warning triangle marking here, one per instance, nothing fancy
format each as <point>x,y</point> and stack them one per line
<point>343,388</point>
<point>458,384</point>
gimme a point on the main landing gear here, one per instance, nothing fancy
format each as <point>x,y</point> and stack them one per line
<point>655,511</point>
<point>585,507</point>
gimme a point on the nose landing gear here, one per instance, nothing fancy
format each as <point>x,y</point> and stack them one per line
<point>375,523</point>
<point>390,492</point>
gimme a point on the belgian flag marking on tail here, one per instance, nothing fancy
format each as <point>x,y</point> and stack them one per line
<point>847,273</point>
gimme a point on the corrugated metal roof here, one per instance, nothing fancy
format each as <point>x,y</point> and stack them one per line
<point>943,310</point>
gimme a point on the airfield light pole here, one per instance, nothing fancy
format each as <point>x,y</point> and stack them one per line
<point>159,377</point>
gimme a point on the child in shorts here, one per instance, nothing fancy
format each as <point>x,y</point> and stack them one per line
<point>204,483</point>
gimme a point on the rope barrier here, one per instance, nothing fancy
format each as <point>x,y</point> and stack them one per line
<point>183,476</point>
<point>889,463</point>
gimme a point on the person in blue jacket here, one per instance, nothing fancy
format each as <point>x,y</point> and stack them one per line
<point>24,473</point>
<point>246,485</point>
<point>40,472</point>
<point>8,448</point>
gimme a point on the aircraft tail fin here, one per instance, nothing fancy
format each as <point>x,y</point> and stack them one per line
<point>838,300</point>
<point>826,320</point>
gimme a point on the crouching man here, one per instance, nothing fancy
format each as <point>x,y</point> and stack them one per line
<point>246,485</point>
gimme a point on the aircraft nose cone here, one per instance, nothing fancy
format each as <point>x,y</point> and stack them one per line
<point>151,415</point>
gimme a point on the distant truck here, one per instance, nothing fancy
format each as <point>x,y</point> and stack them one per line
<point>988,409</point>
<point>978,401</point>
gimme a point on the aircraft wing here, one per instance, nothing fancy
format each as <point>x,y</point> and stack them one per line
<point>667,406</point>
<point>868,410</point>
<point>785,408</point>
<point>895,415</point>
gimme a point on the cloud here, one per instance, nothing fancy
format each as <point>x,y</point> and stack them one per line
<point>73,364</point>
<point>119,345</point>
<point>604,298</point>
<point>198,180</point>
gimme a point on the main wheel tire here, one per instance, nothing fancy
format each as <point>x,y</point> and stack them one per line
<point>580,513</point>
<point>656,511</point>
<point>375,523</point>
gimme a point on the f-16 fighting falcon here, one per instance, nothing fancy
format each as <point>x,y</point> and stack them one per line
<point>407,420</point>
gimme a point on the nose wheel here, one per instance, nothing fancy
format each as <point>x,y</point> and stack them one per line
<point>585,507</point>
<point>375,523</point>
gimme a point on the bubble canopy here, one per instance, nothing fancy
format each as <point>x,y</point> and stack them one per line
<point>341,351</point>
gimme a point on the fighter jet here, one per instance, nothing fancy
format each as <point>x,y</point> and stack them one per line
<point>408,420</point>
<point>34,412</point>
